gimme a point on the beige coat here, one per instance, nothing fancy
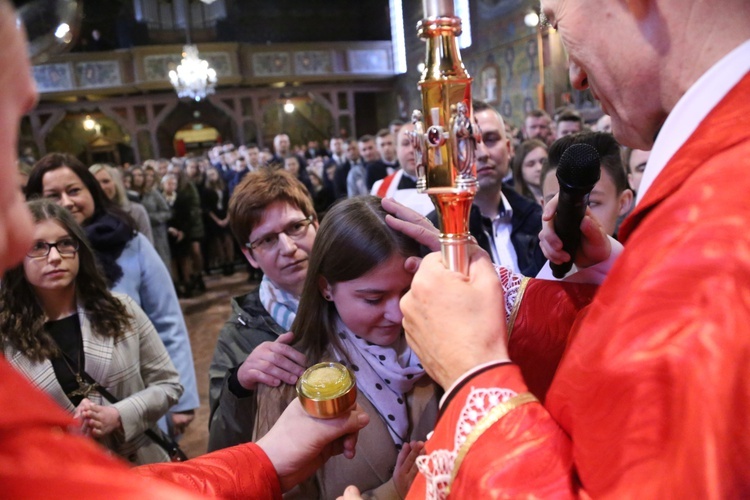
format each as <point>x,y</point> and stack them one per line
<point>136,369</point>
<point>371,470</point>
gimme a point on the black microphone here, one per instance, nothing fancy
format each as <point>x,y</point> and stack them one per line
<point>577,173</point>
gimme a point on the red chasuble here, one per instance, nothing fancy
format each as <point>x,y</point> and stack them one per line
<point>41,458</point>
<point>652,396</point>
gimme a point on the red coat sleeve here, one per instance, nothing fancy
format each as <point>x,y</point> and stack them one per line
<point>242,471</point>
<point>535,343</point>
<point>40,455</point>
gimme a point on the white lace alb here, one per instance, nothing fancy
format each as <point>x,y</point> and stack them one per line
<point>437,467</point>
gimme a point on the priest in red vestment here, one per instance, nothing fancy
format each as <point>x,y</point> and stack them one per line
<point>652,393</point>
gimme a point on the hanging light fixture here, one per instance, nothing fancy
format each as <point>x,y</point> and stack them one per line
<point>193,78</point>
<point>89,123</point>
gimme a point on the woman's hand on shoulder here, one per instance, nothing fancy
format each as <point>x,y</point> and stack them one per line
<point>272,363</point>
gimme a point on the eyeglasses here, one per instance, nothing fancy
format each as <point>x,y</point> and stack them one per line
<point>66,246</point>
<point>295,230</point>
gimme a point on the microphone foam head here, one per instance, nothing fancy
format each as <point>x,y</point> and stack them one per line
<point>579,166</point>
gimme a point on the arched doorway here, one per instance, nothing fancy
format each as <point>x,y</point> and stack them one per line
<point>195,138</point>
<point>187,114</point>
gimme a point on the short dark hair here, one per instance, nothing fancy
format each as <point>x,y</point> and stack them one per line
<point>259,189</point>
<point>570,115</point>
<point>383,132</point>
<point>537,113</point>
<point>366,138</point>
<point>481,105</point>
<point>607,147</point>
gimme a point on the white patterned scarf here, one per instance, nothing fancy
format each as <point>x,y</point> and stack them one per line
<point>384,375</point>
<point>281,305</point>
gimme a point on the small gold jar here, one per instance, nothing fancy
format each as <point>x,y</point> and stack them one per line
<point>326,390</point>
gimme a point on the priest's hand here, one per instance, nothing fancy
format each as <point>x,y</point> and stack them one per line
<point>299,444</point>
<point>405,220</point>
<point>595,245</point>
<point>455,322</point>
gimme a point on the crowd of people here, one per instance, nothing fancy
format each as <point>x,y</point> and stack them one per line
<point>180,218</point>
<point>623,378</point>
<point>116,234</point>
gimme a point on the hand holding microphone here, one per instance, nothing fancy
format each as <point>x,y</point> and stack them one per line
<point>577,173</point>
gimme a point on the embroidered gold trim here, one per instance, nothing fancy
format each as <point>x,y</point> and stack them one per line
<point>517,306</point>
<point>485,423</point>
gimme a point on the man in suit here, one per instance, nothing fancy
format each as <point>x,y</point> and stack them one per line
<point>282,148</point>
<point>386,163</point>
<point>341,166</point>
<point>503,222</point>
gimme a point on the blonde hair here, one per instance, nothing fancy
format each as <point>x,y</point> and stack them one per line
<point>121,197</point>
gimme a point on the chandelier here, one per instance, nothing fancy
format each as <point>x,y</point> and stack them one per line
<point>193,78</point>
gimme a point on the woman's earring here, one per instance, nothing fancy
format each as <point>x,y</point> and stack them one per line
<point>327,296</point>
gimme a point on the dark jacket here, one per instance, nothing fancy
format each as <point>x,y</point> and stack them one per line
<point>248,326</point>
<point>526,223</point>
<point>339,178</point>
<point>377,170</point>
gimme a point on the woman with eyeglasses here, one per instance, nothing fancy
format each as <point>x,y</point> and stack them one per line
<point>129,262</point>
<point>349,312</point>
<point>63,330</point>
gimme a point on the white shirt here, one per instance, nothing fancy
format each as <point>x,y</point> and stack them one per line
<point>503,252</point>
<point>692,109</point>
<point>419,202</point>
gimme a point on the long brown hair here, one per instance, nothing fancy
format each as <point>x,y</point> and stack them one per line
<point>522,151</point>
<point>352,240</point>
<point>21,316</point>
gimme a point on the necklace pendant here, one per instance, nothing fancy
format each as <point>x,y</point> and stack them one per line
<point>84,388</point>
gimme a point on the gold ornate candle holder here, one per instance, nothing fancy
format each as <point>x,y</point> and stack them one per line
<point>444,136</point>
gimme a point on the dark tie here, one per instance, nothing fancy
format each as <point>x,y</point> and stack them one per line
<point>407,183</point>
